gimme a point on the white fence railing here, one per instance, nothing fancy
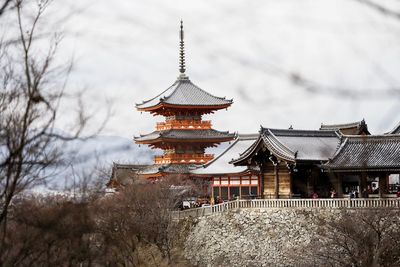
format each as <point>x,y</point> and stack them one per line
<point>290,203</point>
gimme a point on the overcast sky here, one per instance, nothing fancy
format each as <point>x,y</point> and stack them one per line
<point>127,51</point>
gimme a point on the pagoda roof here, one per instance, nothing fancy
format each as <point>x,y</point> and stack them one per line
<point>185,135</point>
<point>221,164</point>
<point>367,153</point>
<point>295,145</point>
<point>355,128</point>
<point>183,93</point>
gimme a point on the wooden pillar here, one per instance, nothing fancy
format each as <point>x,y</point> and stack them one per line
<point>383,184</point>
<point>261,181</point>
<point>290,184</point>
<point>310,183</point>
<point>229,188</point>
<point>336,180</point>
<point>276,181</point>
<point>363,181</point>
<point>339,185</point>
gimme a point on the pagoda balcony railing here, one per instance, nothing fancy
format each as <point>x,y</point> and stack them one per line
<point>183,124</point>
<point>183,158</point>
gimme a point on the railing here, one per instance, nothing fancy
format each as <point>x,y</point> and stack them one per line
<point>290,203</point>
<point>183,124</point>
<point>183,158</point>
<point>194,213</point>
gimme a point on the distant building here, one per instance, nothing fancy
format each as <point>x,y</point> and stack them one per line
<point>228,181</point>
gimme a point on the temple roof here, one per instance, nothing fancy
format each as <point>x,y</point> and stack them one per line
<point>295,145</point>
<point>186,135</point>
<point>184,93</point>
<point>221,165</point>
<point>167,168</point>
<point>353,128</point>
<point>377,152</point>
<point>124,174</point>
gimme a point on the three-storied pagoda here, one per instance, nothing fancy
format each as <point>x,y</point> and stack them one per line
<point>183,136</point>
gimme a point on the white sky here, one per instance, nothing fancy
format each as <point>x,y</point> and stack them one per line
<point>127,51</point>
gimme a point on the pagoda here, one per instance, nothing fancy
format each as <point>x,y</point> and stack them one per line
<point>183,135</point>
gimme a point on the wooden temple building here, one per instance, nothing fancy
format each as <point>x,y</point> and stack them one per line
<point>301,163</point>
<point>228,181</point>
<point>274,163</point>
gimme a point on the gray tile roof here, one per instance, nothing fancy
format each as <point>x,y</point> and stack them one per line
<point>184,93</point>
<point>186,134</point>
<point>295,145</point>
<point>340,126</point>
<point>125,174</point>
<point>359,126</point>
<point>376,152</point>
<point>167,168</point>
<point>221,164</point>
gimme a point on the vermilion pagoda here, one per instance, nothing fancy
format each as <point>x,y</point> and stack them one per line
<point>183,136</point>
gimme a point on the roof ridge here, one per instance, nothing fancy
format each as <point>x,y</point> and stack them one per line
<point>375,136</point>
<point>356,123</point>
<point>305,132</point>
<point>247,151</point>
<point>221,154</point>
<point>277,144</point>
<point>339,149</point>
<point>222,98</point>
<point>248,136</point>
<point>147,101</point>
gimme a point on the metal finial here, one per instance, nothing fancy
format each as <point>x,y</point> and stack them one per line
<point>182,52</point>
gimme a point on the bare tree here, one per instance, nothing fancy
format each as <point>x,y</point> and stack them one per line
<point>32,87</point>
<point>356,238</point>
<point>379,7</point>
<point>50,231</point>
<point>4,5</point>
<point>137,223</point>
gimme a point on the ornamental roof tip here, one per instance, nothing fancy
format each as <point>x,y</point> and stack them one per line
<point>183,92</point>
<point>343,125</point>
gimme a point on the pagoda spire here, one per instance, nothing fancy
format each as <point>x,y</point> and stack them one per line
<point>182,68</point>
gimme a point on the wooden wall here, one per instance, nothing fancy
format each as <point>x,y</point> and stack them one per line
<point>269,181</point>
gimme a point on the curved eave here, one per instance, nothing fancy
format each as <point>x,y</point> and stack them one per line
<point>184,140</point>
<point>162,106</point>
<point>247,153</point>
<point>328,168</point>
<point>151,175</point>
<point>278,149</point>
<point>209,175</point>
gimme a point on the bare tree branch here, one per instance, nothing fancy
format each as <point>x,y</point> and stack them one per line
<point>380,8</point>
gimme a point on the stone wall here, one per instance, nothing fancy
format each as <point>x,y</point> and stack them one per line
<point>252,237</point>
